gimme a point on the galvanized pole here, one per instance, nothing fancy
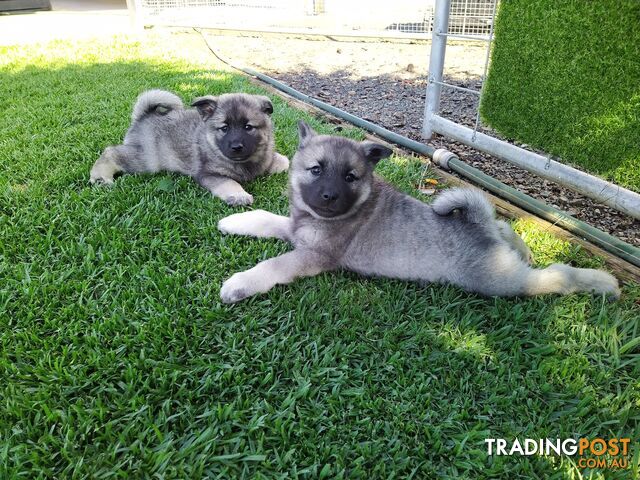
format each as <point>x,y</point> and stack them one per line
<point>135,15</point>
<point>436,64</point>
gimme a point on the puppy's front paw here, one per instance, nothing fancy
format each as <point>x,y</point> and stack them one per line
<point>280,163</point>
<point>236,288</point>
<point>239,198</point>
<point>233,224</point>
<point>102,172</point>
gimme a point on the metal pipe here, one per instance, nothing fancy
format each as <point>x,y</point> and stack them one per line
<point>621,249</point>
<point>456,87</point>
<point>436,64</point>
<point>600,190</point>
<point>457,36</point>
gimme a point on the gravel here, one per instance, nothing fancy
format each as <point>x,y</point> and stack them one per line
<point>385,82</point>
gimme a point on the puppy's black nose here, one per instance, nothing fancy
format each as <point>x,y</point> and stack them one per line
<point>329,196</point>
<point>237,147</point>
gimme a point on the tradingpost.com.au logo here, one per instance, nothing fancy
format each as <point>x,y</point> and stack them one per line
<point>612,453</point>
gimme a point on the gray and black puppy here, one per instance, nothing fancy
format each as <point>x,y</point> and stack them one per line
<point>224,141</point>
<point>342,216</point>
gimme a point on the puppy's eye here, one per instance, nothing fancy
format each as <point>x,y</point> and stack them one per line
<point>316,170</point>
<point>248,127</point>
<point>224,128</point>
<point>350,177</point>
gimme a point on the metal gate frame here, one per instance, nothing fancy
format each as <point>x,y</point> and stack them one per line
<point>596,188</point>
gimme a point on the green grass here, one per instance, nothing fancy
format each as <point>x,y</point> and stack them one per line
<point>117,359</point>
<point>565,78</point>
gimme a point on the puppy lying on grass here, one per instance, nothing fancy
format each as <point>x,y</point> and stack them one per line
<point>223,142</point>
<point>342,216</point>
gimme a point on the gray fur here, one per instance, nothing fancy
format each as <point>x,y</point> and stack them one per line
<point>165,136</point>
<point>471,202</point>
<point>151,100</point>
<point>386,233</point>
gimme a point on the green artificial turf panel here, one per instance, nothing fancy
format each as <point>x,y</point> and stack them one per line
<point>565,78</point>
<point>117,359</point>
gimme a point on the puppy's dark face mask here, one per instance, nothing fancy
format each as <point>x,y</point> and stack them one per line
<point>333,174</point>
<point>237,123</point>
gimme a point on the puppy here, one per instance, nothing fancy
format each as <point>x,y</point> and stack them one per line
<point>342,216</point>
<point>223,142</point>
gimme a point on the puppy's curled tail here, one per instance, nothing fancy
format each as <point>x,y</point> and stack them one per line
<point>470,201</point>
<point>155,101</point>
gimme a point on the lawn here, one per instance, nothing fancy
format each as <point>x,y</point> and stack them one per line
<point>117,359</point>
<point>565,78</point>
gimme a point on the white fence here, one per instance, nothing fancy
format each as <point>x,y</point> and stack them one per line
<point>376,18</point>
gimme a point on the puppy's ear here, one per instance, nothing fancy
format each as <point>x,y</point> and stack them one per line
<point>206,106</point>
<point>265,104</point>
<point>374,152</point>
<point>305,133</point>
